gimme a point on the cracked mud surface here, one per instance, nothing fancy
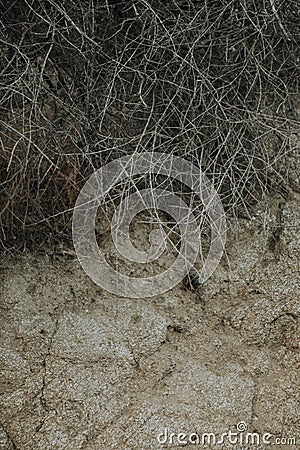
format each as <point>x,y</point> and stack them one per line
<point>82,369</point>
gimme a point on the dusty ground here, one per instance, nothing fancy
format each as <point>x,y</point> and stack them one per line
<point>82,369</point>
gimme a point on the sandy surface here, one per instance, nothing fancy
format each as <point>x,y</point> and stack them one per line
<point>82,369</point>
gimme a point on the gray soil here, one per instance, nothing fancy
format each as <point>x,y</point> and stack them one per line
<point>83,369</point>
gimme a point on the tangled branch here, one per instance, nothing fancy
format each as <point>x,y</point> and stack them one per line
<point>82,83</point>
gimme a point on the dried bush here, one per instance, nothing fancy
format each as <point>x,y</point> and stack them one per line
<point>84,82</point>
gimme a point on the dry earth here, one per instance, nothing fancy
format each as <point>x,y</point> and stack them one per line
<point>83,369</point>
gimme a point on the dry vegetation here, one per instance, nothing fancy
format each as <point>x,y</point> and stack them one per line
<point>83,82</point>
